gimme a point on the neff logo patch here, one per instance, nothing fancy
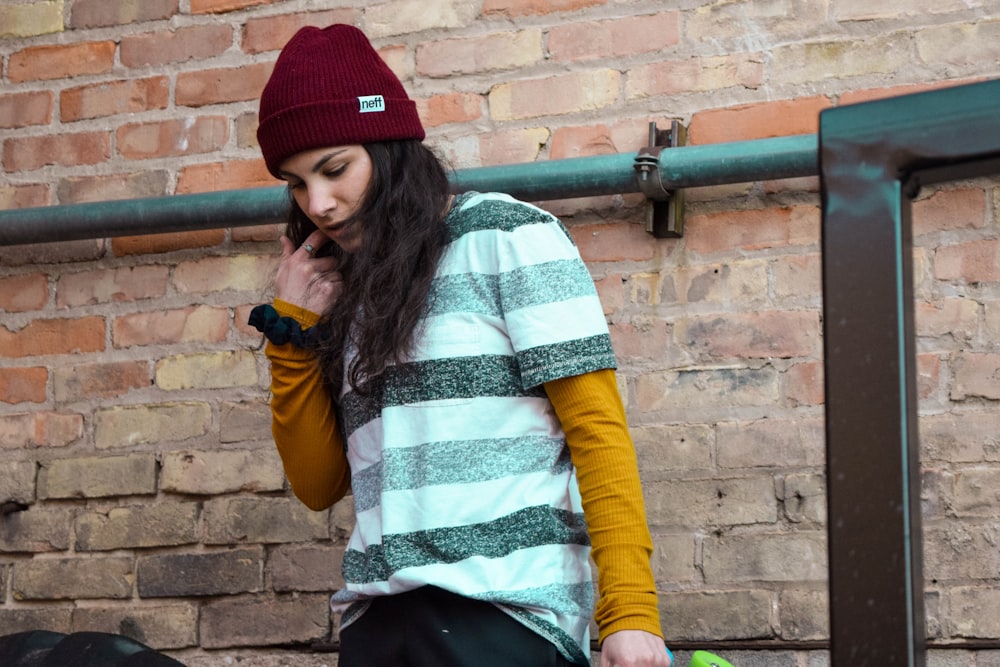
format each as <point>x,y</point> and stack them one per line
<point>371,103</point>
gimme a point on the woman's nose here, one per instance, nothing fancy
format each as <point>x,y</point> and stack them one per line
<point>321,203</point>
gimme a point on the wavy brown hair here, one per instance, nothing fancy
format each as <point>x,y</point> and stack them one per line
<point>387,282</point>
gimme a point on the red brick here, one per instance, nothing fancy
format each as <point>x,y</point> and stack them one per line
<point>614,242</point>
<point>114,97</point>
<point>26,109</point>
<point>104,13</point>
<point>570,142</point>
<point>727,231</point>
<point>614,38</point>
<point>528,7</point>
<point>69,149</point>
<point>450,108</point>
<point>928,375</point>
<point>172,46</point>
<point>218,86</point>
<point>101,380</point>
<point>151,244</point>
<point>257,233</point>
<point>781,334</point>
<point>23,385</point>
<point>976,375</point>
<point>26,292</point>
<point>695,75</point>
<point>58,336</point>
<point>185,325</point>
<point>483,53</point>
<point>757,121</point>
<point>564,93</point>
<point>643,343</point>
<point>231,175</point>
<point>222,6</point>
<point>112,285</point>
<point>947,210</point>
<point>804,383</point>
<point>973,262</point>
<point>141,141</point>
<point>61,61</point>
<point>270,33</point>
<point>40,429</point>
<point>512,146</point>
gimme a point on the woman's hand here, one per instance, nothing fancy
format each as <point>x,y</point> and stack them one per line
<point>633,648</point>
<point>305,280</point>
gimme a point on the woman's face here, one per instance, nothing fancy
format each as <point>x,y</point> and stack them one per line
<point>329,184</point>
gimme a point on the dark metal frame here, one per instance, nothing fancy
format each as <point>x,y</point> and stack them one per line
<point>874,157</point>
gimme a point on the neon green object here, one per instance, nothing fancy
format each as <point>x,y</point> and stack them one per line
<point>706,659</point>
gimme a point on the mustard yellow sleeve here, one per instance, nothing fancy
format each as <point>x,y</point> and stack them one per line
<point>303,420</point>
<point>593,419</point>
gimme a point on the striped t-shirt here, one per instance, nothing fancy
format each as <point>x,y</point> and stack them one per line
<point>460,471</point>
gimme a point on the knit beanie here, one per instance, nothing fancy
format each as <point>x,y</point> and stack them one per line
<point>329,87</point>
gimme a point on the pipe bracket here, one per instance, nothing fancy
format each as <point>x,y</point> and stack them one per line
<point>664,208</point>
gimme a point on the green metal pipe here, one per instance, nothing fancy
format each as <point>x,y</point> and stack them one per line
<point>682,167</point>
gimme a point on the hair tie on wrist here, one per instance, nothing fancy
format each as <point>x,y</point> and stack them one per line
<point>281,330</point>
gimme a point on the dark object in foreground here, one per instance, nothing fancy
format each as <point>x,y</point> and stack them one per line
<point>43,648</point>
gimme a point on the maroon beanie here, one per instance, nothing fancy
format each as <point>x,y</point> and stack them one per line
<point>329,87</point>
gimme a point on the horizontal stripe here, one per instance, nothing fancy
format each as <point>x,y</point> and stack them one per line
<point>576,357</point>
<point>527,528</point>
<point>545,283</point>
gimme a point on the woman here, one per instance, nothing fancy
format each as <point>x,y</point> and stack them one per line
<point>447,361</point>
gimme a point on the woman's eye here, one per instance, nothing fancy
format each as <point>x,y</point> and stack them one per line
<point>335,172</point>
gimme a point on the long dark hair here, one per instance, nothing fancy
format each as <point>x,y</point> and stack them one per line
<point>387,282</point>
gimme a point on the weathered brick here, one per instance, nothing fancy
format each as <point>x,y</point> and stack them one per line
<point>70,149</point>
<point>642,341</point>
<point>205,324</point>
<point>704,74</point>
<point>22,196</point>
<point>975,612</point>
<point>960,437</point>
<point>742,282</point>
<point>310,568</point>
<point>167,626</point>
<point>219,86</point>
<point>683,393</point>
<point>771,443</point>
<point>134,185</point>
<point>560,94</point>
<point>400,17</point>
<point>972,262</point>
<point>974,492</point>
<point>815,61</point>
<point>804,614</point>
<point>613,243</point>
<point>804,498</point>
<point>99,380</point>
<point>450,108</point>
<point>731,501</point>
<point>614,37</point>
<point>26,109</point>
<point>669,447</point>
<point>104,13</point>
<point>195,574</point>
<point>494,51</point>
<point>508,147</point>
<point>199,42</point>
<point>955,318</point>
<point>53,617</point>
<point>72,579</point>
<point>36,530</point>
<point>768,335</point>
<point>804,383</point>
<point>17,481</point>
<point>230,175</point>
<point>23,385</point>
<point>110,98</point>
<point>957,550</point>
<point>961,44</point>
<point>780,557</point>
<point>128,425</point>
<point>261,520</point>
<point>221,6</point>
<point>576,141</point>
<point>40,429</point>
<point>137,526</point>
<point>946,210</point>
<point>130,283</point>
<point>271,33</point>
<point>216,274</point>
<point>31,19</point>
<point>98,477</point>
<point>209,370</point>
<point>975,375</point>
<point>245,421</point>
<point>529,7</point>
<point>219,472</point>
<point>673,559</point>
<point>248,621</point>
<point>718,615</point>
<point>142,141</point>
<point>61,61</point>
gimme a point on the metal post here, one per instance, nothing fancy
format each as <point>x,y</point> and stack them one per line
<point>873,157</point>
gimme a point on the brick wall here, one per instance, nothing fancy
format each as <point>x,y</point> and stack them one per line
<point>145,494</point>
